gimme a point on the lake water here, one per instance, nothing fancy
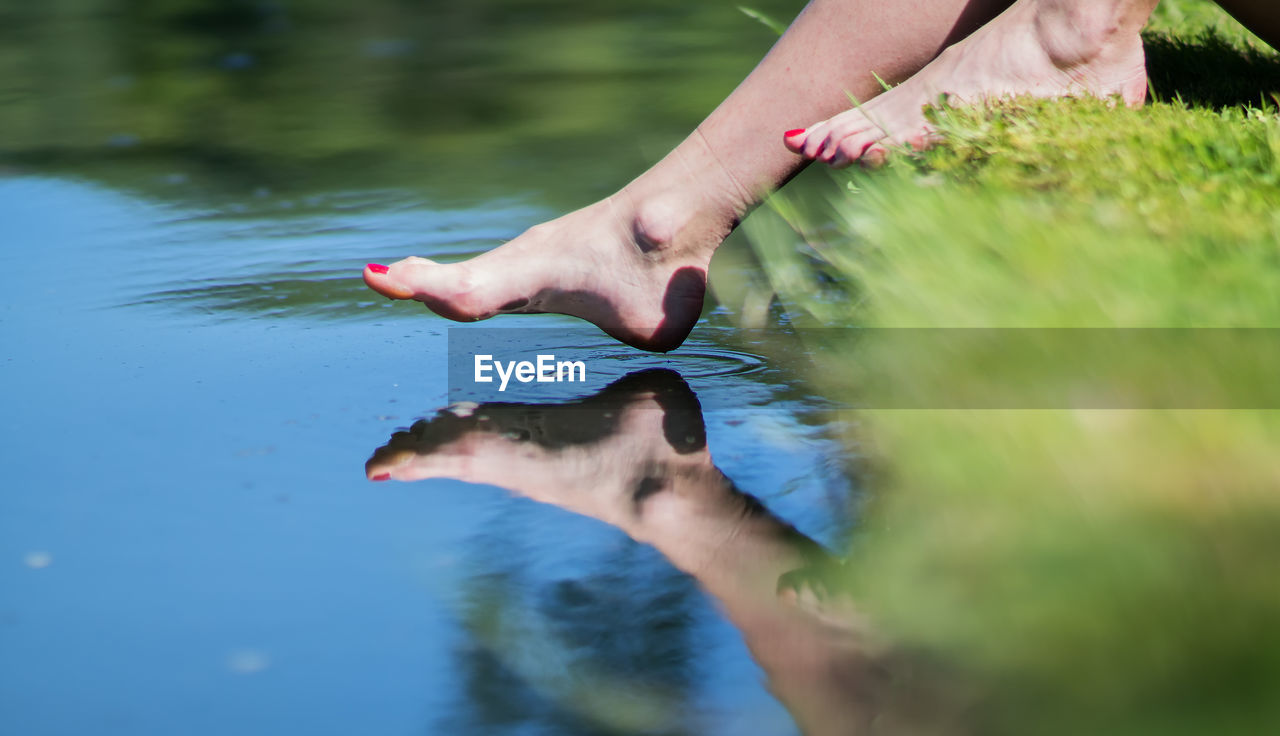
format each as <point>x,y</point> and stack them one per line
<point>195,378</point>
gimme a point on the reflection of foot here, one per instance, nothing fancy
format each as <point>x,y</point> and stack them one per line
<point>637,273</point>
<point>1049,49</point>
<point>604,456</point>
<point>634,456</point>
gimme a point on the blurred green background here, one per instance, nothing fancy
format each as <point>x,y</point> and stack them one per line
<point>559,101</point>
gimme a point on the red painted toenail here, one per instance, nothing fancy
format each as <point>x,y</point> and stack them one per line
<point>377,268</point>
<point>790,133</point>
<point>381,476</point>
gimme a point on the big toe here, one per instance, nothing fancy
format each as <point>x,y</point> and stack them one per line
<point>387,282</point>
<point>794,139</point>
<point>451,290</point>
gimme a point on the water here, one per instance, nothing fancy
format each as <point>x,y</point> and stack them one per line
<point>195,378</point>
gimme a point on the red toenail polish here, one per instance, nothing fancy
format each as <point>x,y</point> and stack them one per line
<point>381,476</point>
<point>790,133</point>
<point>377,268</point>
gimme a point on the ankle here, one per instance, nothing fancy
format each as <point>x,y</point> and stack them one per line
<point>672,224</point>
<point>1076,33</point>
<point>688,200</point>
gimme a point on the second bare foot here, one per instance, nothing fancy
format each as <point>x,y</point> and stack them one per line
<point>1044,49</point>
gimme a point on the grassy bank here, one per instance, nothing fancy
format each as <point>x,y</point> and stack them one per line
<point>1083,569</point>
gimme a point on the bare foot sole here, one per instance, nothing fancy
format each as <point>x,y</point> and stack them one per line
<point>1043,50</point>
<point>640,277</point>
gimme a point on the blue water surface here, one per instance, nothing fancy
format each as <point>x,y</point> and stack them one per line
<point>189,543</point>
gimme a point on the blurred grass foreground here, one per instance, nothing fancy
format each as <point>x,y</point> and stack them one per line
<point>1073,570</point>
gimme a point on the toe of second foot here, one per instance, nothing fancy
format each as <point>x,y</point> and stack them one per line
<point>794,139</point>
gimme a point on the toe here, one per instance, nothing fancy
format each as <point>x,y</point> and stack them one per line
<point>874,156</point>
<point>836,147</point>
<point>794,139</point>
<point>843,132</point>
<point>376,470</point>
<point>855,147</point>
<point>816,139</point>
<point>387,462</point>
<point>920,139</point>
<point>386,280</point>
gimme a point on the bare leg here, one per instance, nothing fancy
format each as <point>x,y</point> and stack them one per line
<point>1260,16</point>
<point>635,263</point>
<point>1045,48</point>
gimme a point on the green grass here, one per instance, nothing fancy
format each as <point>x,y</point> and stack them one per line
<point>1074,214</point>
<point>1085,570</point>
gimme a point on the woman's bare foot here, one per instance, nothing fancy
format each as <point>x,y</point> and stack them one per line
<point>634,264</point>
<point>1042,48</point>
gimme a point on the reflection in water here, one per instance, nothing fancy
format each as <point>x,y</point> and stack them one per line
<point>635,456</point>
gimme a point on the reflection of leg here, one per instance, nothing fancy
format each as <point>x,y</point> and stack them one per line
<point>824,674</point>
<point>635,456</point>
<point>1045,48</point>
<point>1260,16</point>
<point>635,264</point>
